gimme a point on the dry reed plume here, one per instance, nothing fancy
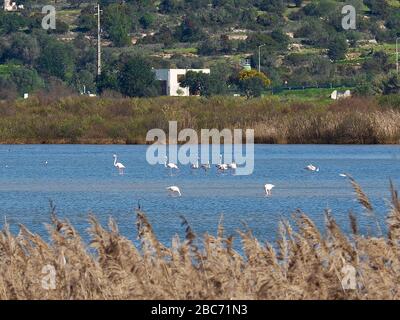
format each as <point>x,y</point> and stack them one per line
<point>304,263</point>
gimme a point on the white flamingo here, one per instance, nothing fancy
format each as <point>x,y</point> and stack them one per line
<point>196,165</point>
<point>268,189</point>
<point>311,167</point>
<point>232,166</point>
<point>118,165</point>
<point>206,166</point>
<point>221,166</point>
<point>170,164</point>
<point>174,190</point>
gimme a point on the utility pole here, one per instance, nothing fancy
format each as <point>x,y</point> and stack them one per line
<point>98,40</point>
<point>397,55</point>
<point>259,56</point>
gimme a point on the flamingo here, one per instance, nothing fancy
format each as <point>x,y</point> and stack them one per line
<point>268,189</point>
<point>118,165</point>
<point>174,190</point>
<point>196,165</point>
<point>232,166</point>
<point>311,167</point>
<point>206,166</point>
<point>170,164</point>
<point>221,166</point>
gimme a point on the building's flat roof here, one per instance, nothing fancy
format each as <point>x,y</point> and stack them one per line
<point>191,69</point>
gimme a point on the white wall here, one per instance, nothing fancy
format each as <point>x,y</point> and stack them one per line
<point>171,76</point>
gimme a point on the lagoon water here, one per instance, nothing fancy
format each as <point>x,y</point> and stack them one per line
<point>81,178</point>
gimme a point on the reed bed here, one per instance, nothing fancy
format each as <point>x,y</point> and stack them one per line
<point>304,263</point>
<point>127,121</point>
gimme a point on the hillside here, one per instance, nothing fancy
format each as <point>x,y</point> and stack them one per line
<point>305,43</point>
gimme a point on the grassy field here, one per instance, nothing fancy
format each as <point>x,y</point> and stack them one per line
<point>5,69</point>
<point>275,119</point>
<point>304,263</point>
<point>320,96</point>
<point>181,50</point>
<point>393,3</point>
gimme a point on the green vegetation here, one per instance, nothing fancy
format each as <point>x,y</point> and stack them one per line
<point>305,44</point>
<point>310,95</point>
<point>252,82</point>
<point>275,119</point>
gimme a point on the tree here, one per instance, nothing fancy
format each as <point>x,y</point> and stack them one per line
<point>108,79</point>
<point>379,8</point>
<point>219,79</point>
<point>23,48</point>
<point>164,36</point>
<point>189,30</point>
<point>12,22</point>
<point>393,22</point>
<point>379,62</point>
<point>61,27</point>
<point>319,32</point>
<point>209,47</point>
<point>275,42</point>
<point>390,84</point>
<point>136,78</point>
<point>76,3</point>
<point>268,19</point>
<point>353,37</point>
<point>8,89</point>
<point>26,79</point>
<point>364,88</point>
<point>87,21</point>
<point>84,78</point>
<point>57,59</point>
<point>118,24</point>
<point>169,6</point>
<point>320,68</point>
<point>276,6</point>
<point>146,20</point>
<point>197,82</point>
<point>298,3</point>
<point>337,48</point>
<point>252,83</point>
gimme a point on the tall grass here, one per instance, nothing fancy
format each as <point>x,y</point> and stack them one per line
<point>304,263</point>
<point>275,120</point>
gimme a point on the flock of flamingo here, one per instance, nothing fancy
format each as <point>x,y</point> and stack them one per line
<point>221,167</point>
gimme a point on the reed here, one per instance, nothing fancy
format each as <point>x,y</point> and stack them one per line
<point>126,121</point>
<point>304,263</point>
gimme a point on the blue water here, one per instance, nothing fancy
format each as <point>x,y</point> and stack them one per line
<point>81,178</point>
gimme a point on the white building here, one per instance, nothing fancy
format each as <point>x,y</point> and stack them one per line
<point>336,95</point>
<point>11,6</point>
<point>170,78</point>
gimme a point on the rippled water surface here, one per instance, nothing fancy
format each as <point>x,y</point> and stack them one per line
<point>81,179</point>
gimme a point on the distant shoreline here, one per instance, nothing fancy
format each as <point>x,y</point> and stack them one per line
<point>85,120</point>
<point>98,143</point>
